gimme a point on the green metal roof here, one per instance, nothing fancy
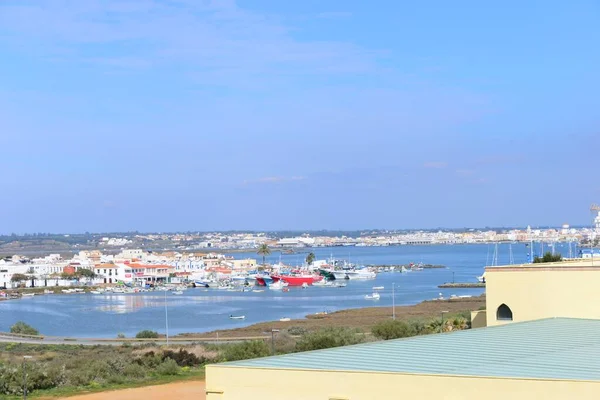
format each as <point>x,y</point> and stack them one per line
<point>557,348</point>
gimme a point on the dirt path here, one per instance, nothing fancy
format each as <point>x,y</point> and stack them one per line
<point>190,390</point>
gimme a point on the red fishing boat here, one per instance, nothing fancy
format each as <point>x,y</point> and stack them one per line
<point>297,280</point>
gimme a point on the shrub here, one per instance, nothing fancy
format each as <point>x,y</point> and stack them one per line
<point>23,329</point>
<point>548,257</point>
<point>120,336</point>
<point>183,358</point>
<point>329,337</point>
<point>146,334</point>
<point>387,330</point>
<point>296,330</point>
<point>246,350</point>
<point>284,343</point>
<point>168,367</point>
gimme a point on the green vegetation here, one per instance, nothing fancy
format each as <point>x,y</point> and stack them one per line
<point>310,258</point>
<point>329,337</point>
<point>394,330</point>
<point>387,330</point>
<point>264,251</point>
<point>67,369</point>
<point>548,257</point>
<point>22,328</point>
<point>146,334</point>
<point>245,350</point>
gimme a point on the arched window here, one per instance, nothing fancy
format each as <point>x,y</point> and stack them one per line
<point>504,313</point>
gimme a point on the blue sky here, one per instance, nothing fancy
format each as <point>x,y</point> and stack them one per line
<point>163,115</point>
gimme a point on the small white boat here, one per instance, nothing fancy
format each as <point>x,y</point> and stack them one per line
<point>28,294</point>
<point>378,287</point>
<point>178,292</point>
<point>95,292</point>
<point>258,290</point>
<point>46,291</point>
<point>340,275</point>
<point>284,319</point>
<point>68,291</point>
<point>279,285</point>
<point>373,296</point>
<point>237,317</point>
<point>340,284</point>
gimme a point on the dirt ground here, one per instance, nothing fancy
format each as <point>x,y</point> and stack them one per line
<point>362,318</point>
<point>189,390</point>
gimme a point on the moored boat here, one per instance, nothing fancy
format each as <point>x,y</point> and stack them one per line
<point>298,280</point>
<point>237,317</point>
<point>373,296</point>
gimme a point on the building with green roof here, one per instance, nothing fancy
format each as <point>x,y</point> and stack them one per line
<point>554,358</point>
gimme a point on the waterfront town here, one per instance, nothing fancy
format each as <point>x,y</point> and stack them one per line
<point>198,257</point>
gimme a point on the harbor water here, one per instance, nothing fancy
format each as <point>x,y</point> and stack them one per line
<point>203,310</point>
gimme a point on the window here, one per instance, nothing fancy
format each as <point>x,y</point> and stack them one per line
<point>504,313</point>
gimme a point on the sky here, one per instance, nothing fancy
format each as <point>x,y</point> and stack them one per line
<point>177,115</point>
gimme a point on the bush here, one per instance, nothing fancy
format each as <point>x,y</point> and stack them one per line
<point>146,334</point>
<point>183,358</point>
<point>548,257</point>
<point>120,336</point>
<point>23,329</point>
<point>387,330</point>
<point>296,330</point>
<point>168,367</point>
<point>284,343</point>
<point>329,337</point>
<point>246,350</point>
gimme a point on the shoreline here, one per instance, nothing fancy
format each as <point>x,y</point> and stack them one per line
<point>360,318</point>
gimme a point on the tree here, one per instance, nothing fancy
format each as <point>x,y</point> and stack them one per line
<point>548,257</point>
<point>18,278</point>
<point>22,328</point>
<point>310,258</point>
<point>264,251</point>
<point>147,334</point>
<point>85,273</point>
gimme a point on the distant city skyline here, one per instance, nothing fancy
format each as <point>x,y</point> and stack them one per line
<point>156,115</point>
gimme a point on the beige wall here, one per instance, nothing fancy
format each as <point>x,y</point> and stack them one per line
<point>266,384</point>
<point>535,292</point>
<point>478,319</point>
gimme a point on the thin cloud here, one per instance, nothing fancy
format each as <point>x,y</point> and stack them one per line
<point>274,179</point>
<point>435,164</point>
<point>465,172</point>
<point>208,37</point>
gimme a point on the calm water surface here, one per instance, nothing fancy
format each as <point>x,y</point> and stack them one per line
<point>199,310</point>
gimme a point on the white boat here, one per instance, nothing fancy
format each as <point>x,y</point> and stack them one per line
<point>279,285</point>
<point>322,283</point>
<point>340,274</point>
<point>284,319</point>
<point>237,317</point>
<point>28,294</point>
<point>373,296</point>
<point>403,269</point>
<point>258,290</point>
<point>361,274</point>
<point>178,292</point>
<point>339,284</point>
<point>481,278</point>
<point>378,287</point>
<point>95,292</point>
<point>68,291</point>
<point>304,285</point>
<point>46,291</point>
